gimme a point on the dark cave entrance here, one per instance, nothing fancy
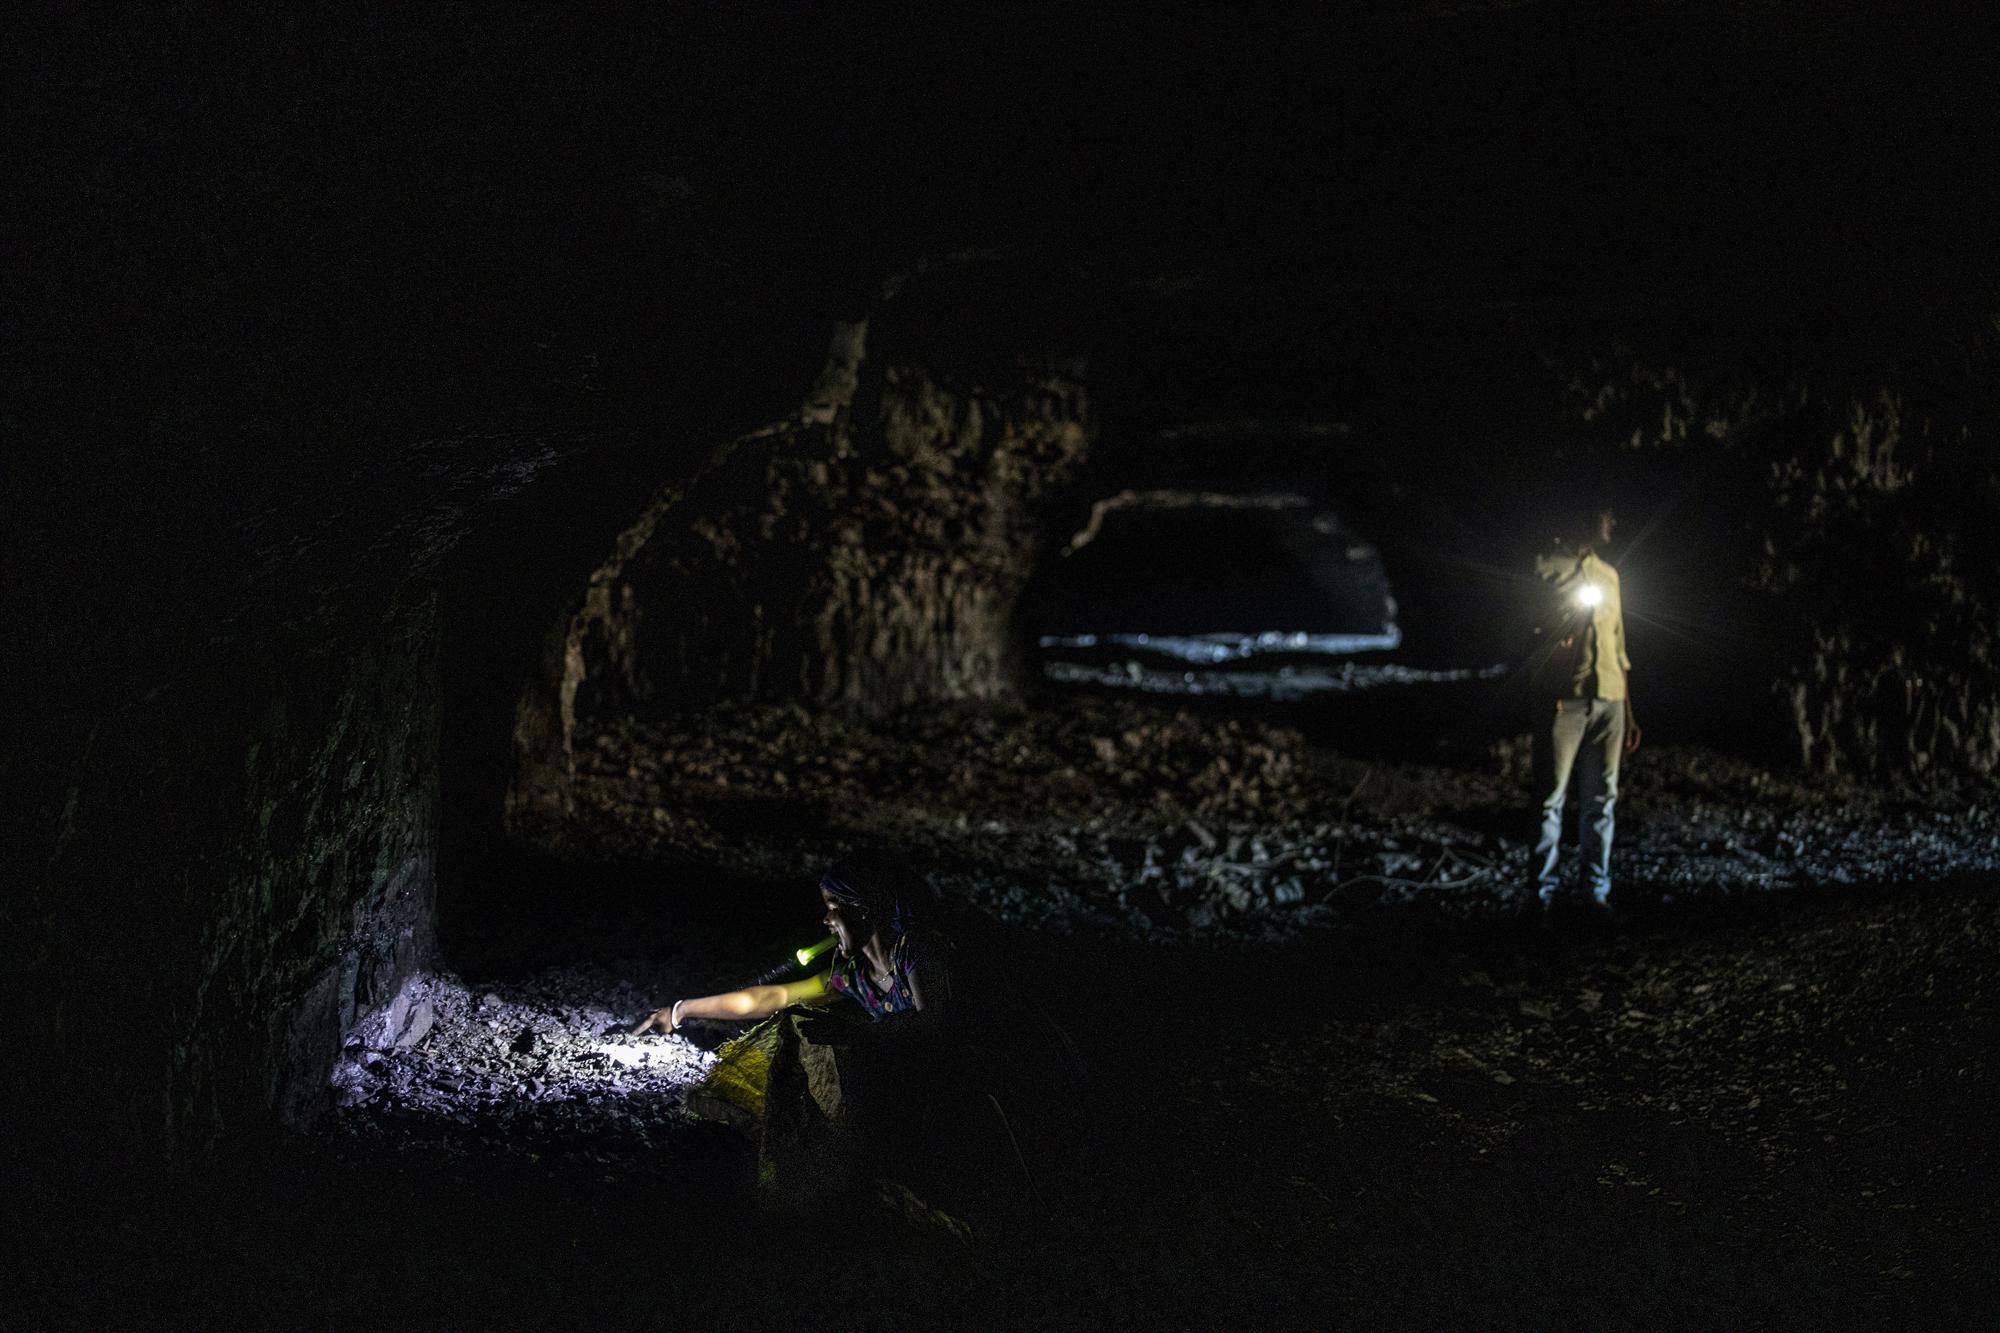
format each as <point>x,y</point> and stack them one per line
<point>1179,592</point>
<point>1251,535</point>
<point>1249,545</point>
<point>1305,609</point>
<point>1229,548</point>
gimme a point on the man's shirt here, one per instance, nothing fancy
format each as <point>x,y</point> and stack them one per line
<point>1595,666</point>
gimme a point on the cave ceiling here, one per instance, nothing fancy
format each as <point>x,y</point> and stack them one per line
<point>282,246</point>
<point>604,168</point>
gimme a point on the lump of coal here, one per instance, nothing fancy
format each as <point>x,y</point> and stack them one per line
<point>418,1025</point>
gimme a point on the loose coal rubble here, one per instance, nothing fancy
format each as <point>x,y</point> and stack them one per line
<point>1821,1070</point>
<point>1778,1038</point>
<point>530,1068</point>
<point>1285,684</point>
<point>1112,817</point>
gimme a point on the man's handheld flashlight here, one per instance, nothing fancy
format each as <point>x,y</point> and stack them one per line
<point>1589,596</point>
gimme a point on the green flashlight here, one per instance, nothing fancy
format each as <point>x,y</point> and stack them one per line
<point>1590,596</point>
<point>800,958</point>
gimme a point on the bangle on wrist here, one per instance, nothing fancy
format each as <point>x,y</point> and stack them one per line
<point>674,1015</point>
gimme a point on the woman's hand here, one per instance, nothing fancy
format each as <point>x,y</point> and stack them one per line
<point>666,1020</point>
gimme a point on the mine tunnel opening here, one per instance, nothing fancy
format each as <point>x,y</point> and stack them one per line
<point>680,856</point>
<point>1204,592</point>
<point>244,809</point>
<point>1251,551</point>
<point>681,779</point>
<point>921,616</point>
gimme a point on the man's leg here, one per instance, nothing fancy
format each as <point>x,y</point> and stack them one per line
<point>1597,791</point>
<point>1557,738</point>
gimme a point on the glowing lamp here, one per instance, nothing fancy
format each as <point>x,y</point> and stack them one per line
<point>806,955</point>
<point>1589,596</point>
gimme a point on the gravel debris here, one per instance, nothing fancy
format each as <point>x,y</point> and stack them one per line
<point>543,1066</point>
<point>1113,818</point>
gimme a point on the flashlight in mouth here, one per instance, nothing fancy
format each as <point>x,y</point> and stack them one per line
<point>800,958</point>
<point>1589,596</point>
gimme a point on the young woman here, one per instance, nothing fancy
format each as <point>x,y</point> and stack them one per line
<point>885,961</point>
<point>850,1072</point>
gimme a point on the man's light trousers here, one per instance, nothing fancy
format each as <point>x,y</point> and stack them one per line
<point>1584,739</point>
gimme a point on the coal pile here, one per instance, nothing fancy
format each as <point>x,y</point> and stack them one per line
<point>541,1066</point>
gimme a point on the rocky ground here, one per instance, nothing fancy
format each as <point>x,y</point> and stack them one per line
<point>1330,1082</point>
<point>1120,819</point>
<point>542,1067</point>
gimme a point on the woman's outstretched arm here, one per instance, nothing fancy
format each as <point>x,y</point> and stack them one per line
<point>752,1002</point>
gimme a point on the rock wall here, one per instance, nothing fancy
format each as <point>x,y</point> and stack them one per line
<point>1868,545</point>
<point>327,903</point>
<point>1855,512</point>
<point>865,554</point>
<point>223,867</point>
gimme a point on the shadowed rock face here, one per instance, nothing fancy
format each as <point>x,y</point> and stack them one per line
<point>1845,518</point>
<point>864,555</point>
<point>243,861</point>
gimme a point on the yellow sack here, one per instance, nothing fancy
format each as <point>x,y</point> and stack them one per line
<point>737,1088</point>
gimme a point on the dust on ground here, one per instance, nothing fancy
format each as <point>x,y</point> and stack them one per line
<point>1331,1080</point>
<point>1109,818</point>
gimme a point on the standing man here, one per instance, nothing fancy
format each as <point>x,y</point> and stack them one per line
<point>1580,682</point>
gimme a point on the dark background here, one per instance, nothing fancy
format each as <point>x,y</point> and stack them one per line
<point>340,340</point>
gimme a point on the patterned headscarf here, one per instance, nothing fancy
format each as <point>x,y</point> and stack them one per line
<point>873,892</point>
